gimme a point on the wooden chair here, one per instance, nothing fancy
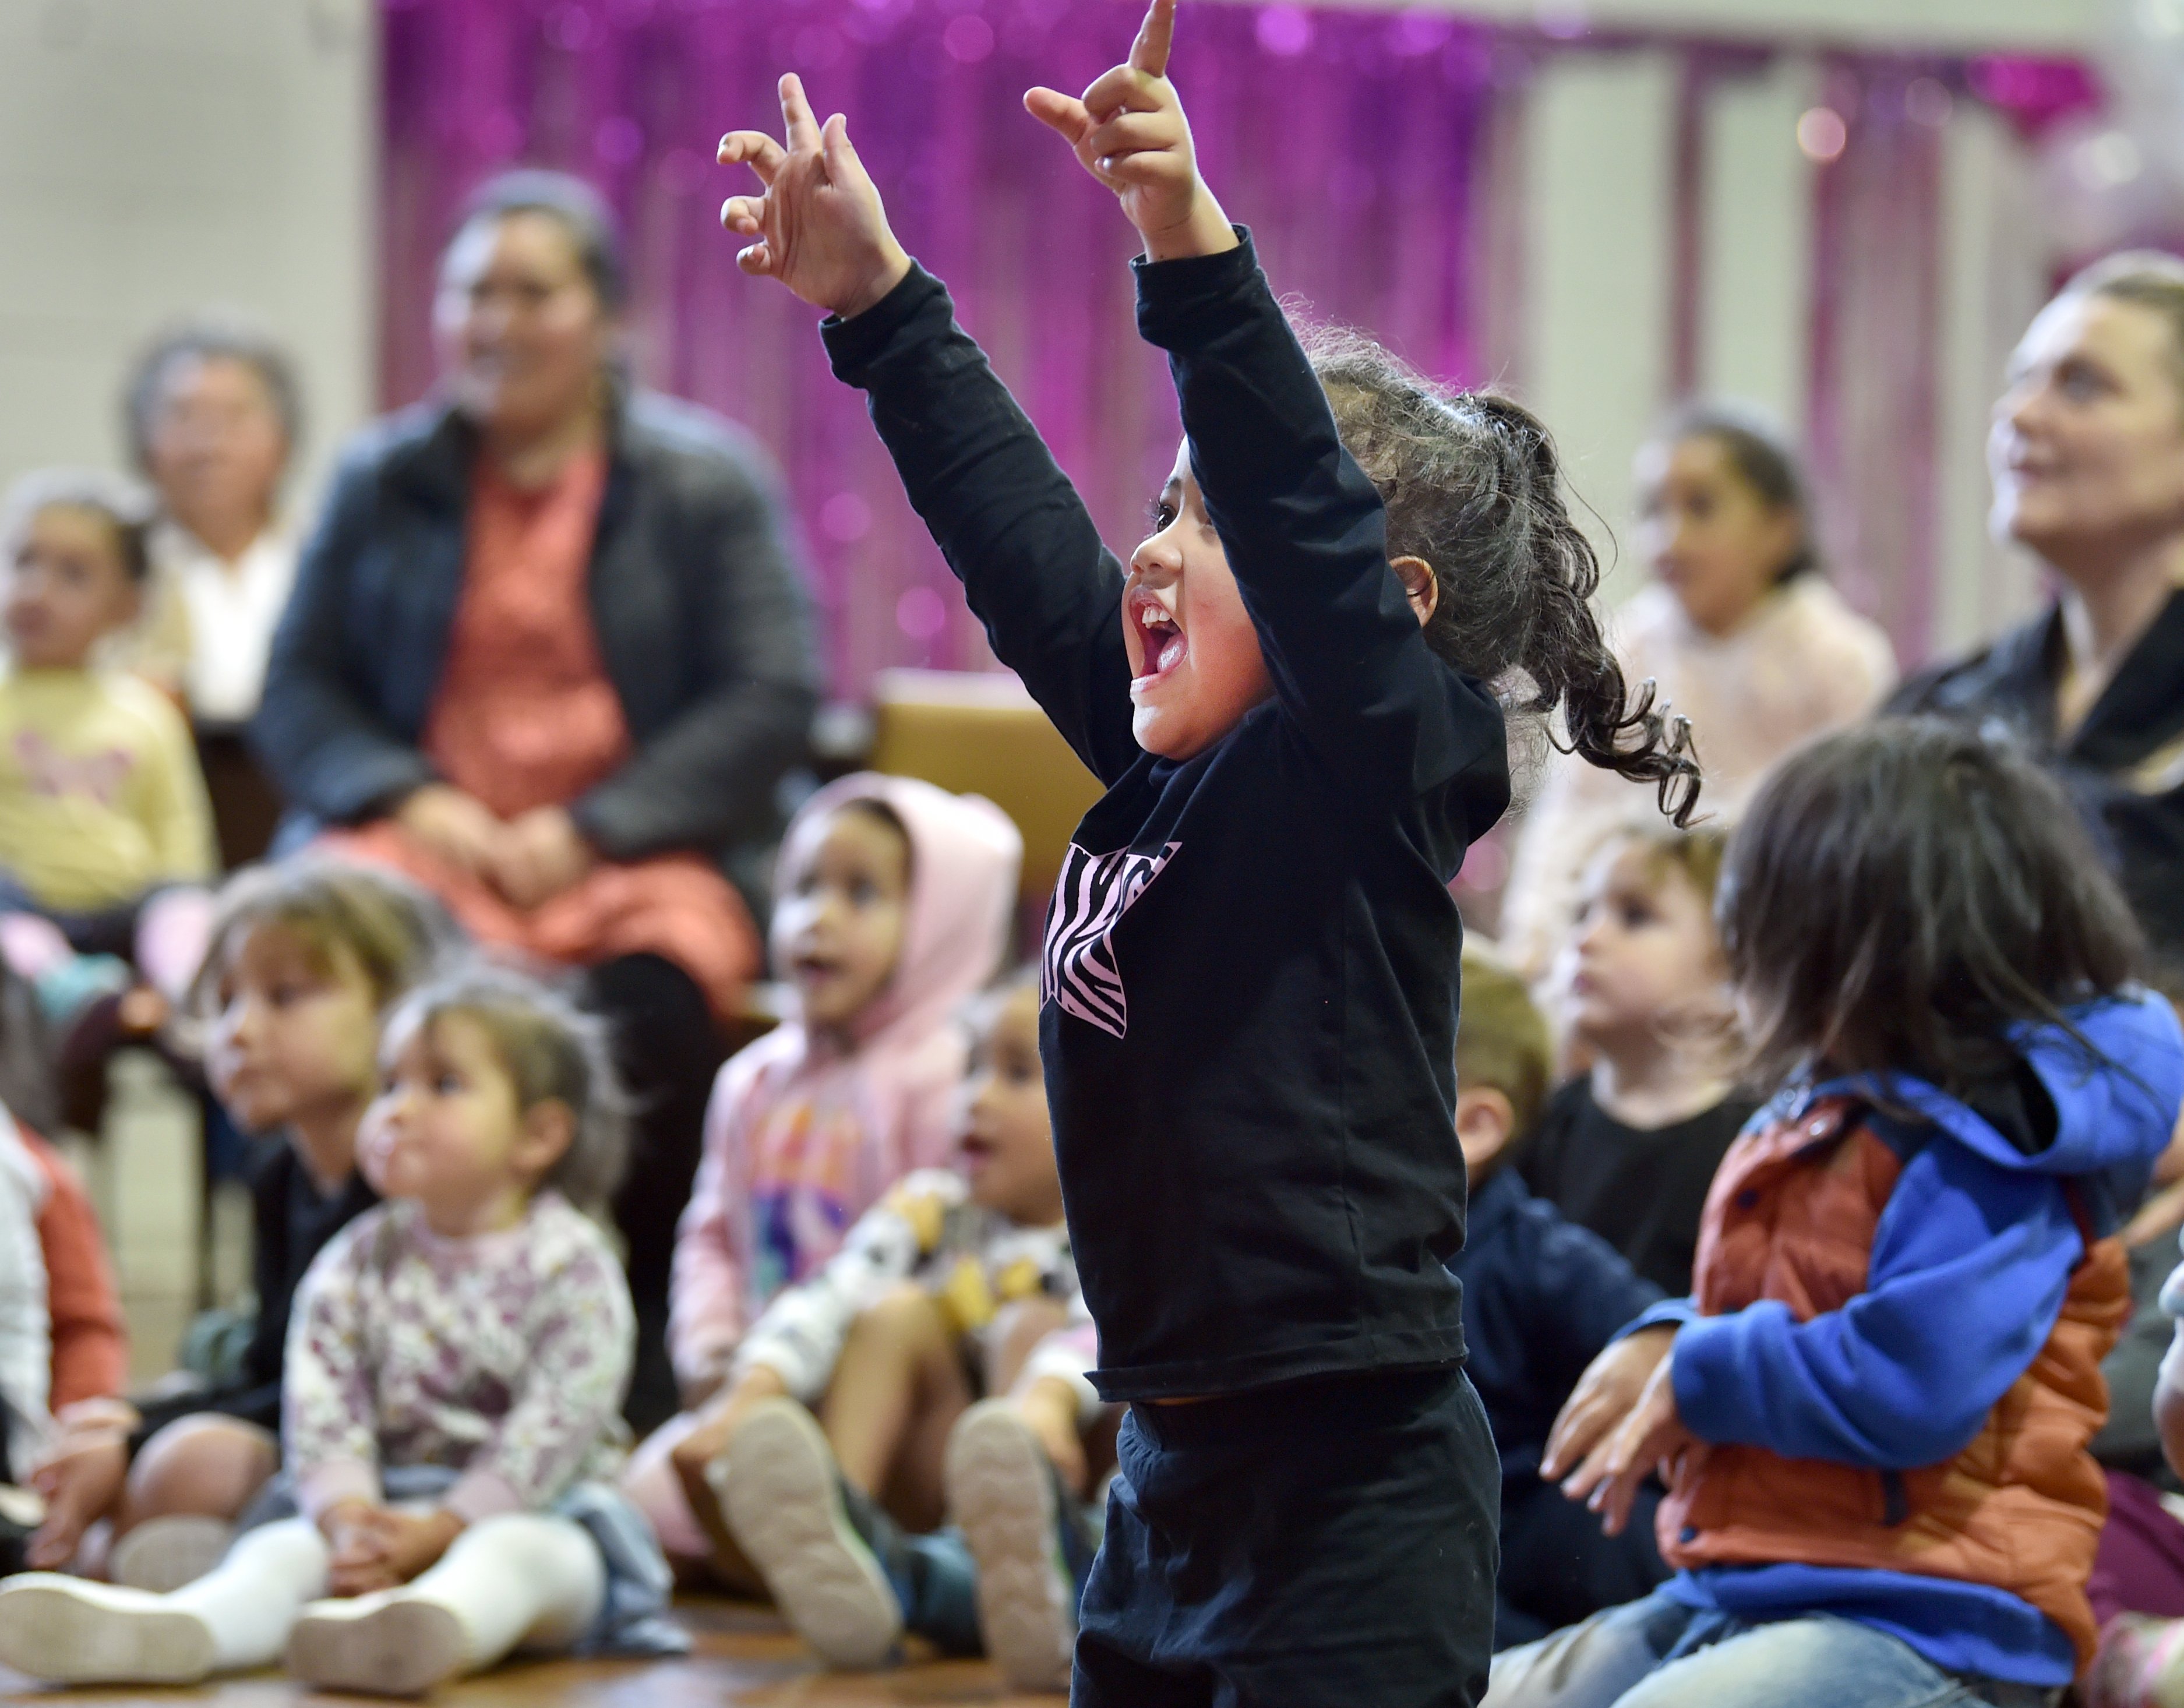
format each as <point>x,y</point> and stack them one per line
<point>979,732</point>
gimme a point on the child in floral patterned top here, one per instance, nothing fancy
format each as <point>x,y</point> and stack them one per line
<point>456,1367</point>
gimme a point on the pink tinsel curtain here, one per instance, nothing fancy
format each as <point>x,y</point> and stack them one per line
<point>1874,411</point>
<point>1369,152</point>
<point>1372,150</point>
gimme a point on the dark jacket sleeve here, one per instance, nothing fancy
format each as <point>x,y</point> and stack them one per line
<point>1011,525</point>
<point>1306,534</point>
<point>1584,1292</point>
<point>704,778</point>
<point>332,754</point>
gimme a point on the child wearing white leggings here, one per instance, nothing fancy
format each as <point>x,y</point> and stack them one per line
<point>455,1365</point>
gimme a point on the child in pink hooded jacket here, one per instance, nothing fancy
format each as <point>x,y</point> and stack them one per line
<point>894,901</point>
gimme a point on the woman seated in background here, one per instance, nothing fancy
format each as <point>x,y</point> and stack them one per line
<point>1740,629</point>
<point>2087,459</point>
<point>547,655</point>
<point>214,419</point>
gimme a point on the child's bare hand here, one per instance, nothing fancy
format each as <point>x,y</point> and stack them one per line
<point>1603,1397</point>
<point>1130,132</point>
<point>819,226</point>
<point>1653,1434</point>
<point>81,1482</point>
<point>384,1547</point>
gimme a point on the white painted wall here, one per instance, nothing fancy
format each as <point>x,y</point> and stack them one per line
<point>1756,253</point>
<point>1995,274</point>
<point>158,156</point>
<point>1599,155</point>
<point>2055,25</point>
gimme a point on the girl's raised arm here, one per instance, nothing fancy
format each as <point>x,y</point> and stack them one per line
<point>1303,528</point>
<point>1007,518</point>
<point>819,226</point>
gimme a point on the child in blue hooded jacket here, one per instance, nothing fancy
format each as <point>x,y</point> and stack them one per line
<point>1873,1412</point>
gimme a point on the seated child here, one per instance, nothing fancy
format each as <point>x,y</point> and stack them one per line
<point>455,1379</point>
<point>26,1337</point>
<point>61,1341</point>
<point>1873,1412</point>
<point>945,1287</point>
<point>1628,1147</point>
<point>83,1305</point>
<point>2139,1567</point>
<point>304,957</point>
<point>894,905</point>
<point>102,806</point>
<point>2141,1661</point>
<point>1542,1298</point>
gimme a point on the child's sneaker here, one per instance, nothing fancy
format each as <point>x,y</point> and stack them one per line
<point>1017,1518</point>
<point>388,1644</point>
<point>783,1498</point>
<point>161,1554</point>
<point>70,1631</point>
<point>2140,1664</point>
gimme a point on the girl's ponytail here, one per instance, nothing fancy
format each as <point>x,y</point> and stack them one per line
<point>1571,664</point>
<point>1472,487</point>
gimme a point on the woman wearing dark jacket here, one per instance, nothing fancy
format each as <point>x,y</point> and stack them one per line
<point>2088,457</point>
<point>547,653</point>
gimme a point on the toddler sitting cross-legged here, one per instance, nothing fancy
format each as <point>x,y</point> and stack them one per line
<point>952,1284</point>
<point>456,1367</point>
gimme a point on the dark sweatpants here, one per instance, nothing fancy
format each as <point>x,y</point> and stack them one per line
<point>1325,1545</point>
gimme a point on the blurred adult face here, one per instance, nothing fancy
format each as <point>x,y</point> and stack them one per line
<point>524,338</point>
<point>2087,450</point>
<point>214,443</point>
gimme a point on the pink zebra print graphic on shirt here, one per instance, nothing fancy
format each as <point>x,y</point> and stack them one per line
<point>1077,966</point>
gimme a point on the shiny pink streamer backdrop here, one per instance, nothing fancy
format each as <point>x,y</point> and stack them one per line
<point>1356,145</point>
<point>1374,154</point>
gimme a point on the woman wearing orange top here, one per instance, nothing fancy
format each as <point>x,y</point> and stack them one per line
<point>547,653</point>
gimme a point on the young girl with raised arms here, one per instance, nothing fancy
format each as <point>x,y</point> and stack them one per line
<point>893,899</point>
<point>455,1371</point>
<point>1873,1409</point>
<point>303,958</point>
<point>1250,961</point>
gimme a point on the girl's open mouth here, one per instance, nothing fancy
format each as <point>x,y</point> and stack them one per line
<point>1161,640</point>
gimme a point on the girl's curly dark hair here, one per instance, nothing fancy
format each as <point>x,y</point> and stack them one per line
<point>1472,488</point>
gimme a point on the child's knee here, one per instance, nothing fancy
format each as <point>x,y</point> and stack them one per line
<point>202,1464</point>
<point>1018,1329</point>
<point>654,1481</point>
<point>905,1318</point>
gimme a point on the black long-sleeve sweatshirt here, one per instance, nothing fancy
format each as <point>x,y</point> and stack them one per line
<point>1250,961</point>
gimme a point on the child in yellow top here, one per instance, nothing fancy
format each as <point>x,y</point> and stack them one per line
<point>106,837</point>
<point>101,800</point>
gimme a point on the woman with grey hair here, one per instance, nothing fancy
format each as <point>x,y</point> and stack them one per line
<point>213,418</point>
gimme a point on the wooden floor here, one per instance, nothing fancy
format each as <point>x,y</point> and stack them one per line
<point>744,1659</point>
